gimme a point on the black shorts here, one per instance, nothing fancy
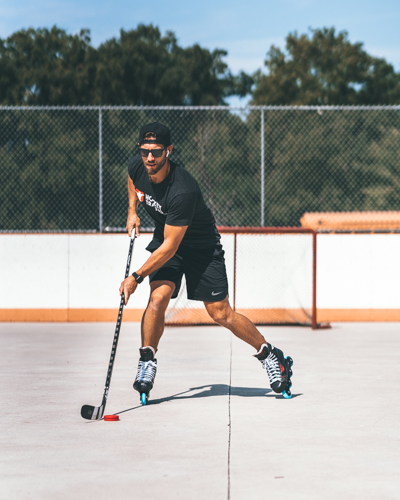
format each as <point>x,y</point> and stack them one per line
<point>204,270</point>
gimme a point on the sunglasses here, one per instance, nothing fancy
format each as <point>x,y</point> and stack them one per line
<point>157,153</point>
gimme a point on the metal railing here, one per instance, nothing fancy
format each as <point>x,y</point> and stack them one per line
<point>63,168</point>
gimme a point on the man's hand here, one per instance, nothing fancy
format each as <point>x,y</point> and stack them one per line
<point>133,221</point>
<point>128,287</point>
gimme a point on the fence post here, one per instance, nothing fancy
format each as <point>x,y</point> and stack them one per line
<point>262,168</point>
<point>100,173</point>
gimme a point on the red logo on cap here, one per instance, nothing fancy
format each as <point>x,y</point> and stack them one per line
<point>140,195</point>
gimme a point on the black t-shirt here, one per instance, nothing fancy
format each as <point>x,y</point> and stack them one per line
<point>176,201</point>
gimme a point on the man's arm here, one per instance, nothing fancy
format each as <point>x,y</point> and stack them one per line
<point>133,220</point>
<point>172,239</point>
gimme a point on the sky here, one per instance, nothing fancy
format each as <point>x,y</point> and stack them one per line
<point>245,29</point>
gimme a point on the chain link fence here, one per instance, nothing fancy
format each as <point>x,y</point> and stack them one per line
<point>65,168</point>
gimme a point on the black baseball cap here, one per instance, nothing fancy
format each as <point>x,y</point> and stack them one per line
<point>162,133</point>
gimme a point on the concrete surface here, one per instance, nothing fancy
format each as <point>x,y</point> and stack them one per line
<point>214,429</point>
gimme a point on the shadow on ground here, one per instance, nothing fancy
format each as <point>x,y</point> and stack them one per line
<point>205,391</point>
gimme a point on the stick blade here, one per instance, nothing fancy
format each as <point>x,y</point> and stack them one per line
<point>92,412</point>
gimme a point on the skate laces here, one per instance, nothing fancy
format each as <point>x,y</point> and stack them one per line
<point>146,371</point>
<point>271,364</point>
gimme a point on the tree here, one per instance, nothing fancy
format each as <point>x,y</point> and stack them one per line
<point>325,68</point>
<point>141,67</point>
<point>46,67</point>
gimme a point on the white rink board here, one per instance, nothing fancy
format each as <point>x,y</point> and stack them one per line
<point>84,271</point>
<point>97,268</point>
<point>360,271</point>
<point>274,271</point>
<point>34,271</point>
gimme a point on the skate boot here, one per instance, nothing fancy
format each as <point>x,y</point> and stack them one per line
<point>146,373</point>
<point>279,369</point>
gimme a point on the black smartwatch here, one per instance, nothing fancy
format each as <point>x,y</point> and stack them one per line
<point>138,278</point>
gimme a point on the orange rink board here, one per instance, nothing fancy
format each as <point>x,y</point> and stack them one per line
<point>259,316</point>
<point>352,221</point>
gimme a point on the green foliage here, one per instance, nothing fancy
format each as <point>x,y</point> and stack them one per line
<point>335,160</point>
<point>216,147</point>
<point>330,160</point>
<point>49,174</point>
<point>325,69</point>
<point>144,67</point>
<point>46,67</point>
<point>222,153</point>
<point>315,160</point>
<point>141,67</point>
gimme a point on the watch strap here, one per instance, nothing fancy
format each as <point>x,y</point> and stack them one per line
<point>138,278</point>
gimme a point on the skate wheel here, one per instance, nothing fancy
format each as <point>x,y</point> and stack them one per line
<point>143,398</point>
<point>289,360</point>
<point>290,373</point>
<point>289,385</point>
<point>287,394</point>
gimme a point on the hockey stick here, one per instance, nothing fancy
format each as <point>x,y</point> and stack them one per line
<point>97,412</point>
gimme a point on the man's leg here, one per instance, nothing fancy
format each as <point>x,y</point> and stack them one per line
<point>222,313</point>
<point>152,329</point>
<point>153,320</point>
<point>278,367</point>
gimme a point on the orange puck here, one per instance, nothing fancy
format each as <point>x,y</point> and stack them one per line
<point>111,418</point>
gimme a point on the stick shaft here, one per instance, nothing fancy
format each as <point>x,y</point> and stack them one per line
<point>118,325</point>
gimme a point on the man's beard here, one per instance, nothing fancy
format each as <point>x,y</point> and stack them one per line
<point>156,168</point>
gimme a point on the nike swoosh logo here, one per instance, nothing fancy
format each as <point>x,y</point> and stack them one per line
<point>213,293</point>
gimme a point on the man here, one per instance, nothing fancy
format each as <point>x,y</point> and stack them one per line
<point>186,241</point>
